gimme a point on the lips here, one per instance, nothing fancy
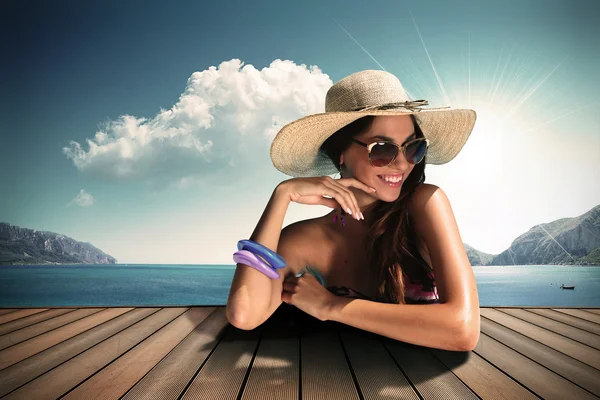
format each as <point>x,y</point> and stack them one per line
<point>391,184</point>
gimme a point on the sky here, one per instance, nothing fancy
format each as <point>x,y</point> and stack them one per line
<point>144,127</point>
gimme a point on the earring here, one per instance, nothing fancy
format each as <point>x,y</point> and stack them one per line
<point>335,217</point>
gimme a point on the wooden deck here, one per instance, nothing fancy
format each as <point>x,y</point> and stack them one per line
<point>194,353</point>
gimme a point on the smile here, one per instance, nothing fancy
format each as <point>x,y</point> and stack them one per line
<point>392,180</point>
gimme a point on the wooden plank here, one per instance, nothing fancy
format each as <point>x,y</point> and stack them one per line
<point>568,367</point>
<point>432,379</point>
<point>588,316</point>
<point>20,314</point>
<point>376,372</point>
<point>30,368</point>
<point>21,351</point>
<point>585,337</point>
<point>60,380</point>
<point>325,369</point>
<point>568,319</point>
<point>592,310</point>
<point>122,374</point>
<point>168,379</point>
<point>276,367</point>
<point>222,376</point>
<point>535,377</point>
<point>33,319</point>
<point>487,381</point>
<point>563,344</point>
<point>8,310</point>
<point>29,332</point>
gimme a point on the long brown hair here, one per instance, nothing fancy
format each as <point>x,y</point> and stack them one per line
<point>392,243</point>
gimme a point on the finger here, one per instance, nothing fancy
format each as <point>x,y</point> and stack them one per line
<point>357,184</point>
<point>336,192</point>
<point>288,287</point>
<point>356,214</point>
<point>349,196</point>
<point>331,203</point>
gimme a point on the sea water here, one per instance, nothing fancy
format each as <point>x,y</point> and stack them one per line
<point>208,285</point>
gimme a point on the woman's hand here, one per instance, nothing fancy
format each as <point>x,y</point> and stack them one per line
<point>312,191</point>
<point>306,293</point>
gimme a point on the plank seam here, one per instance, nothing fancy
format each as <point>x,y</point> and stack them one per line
<point>549,330</point>
<point>504,372</point>
<point>53,329</point>
<point>545,345</point>
<point>173,349</point>
<point>568,315</point>
<point>35,323</point>
<point>122,355</point>
<point>574,316</point>
<point>225,331</point>
<point>457,377</point>
<point>354,378</point>
<point>247,375</point>
<point>554,372</point>
<point>402,371</point>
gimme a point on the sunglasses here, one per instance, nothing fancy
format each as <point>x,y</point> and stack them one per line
<point>382,153</point>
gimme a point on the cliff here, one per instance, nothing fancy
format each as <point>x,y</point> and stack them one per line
<point>27,246</point>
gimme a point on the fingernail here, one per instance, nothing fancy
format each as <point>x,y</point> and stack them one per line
<point>372,189</point>
<point>349,211</point>
<point>362,216</point>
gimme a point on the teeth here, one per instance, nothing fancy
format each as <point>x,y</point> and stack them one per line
<point>391,179</point>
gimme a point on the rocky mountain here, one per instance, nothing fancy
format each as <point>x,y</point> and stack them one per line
<point>27,246</point>
<point>477,257</point>
<point>564,241</point>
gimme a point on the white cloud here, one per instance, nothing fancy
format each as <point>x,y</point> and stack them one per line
<point>226,118</point>
<point>83,199</point>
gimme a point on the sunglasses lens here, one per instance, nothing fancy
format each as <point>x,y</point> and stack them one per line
<point>382,154</point>
<point>416,151</point>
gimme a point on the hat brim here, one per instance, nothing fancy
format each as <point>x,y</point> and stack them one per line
<point>295,149</point>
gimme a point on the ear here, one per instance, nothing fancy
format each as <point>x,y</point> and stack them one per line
<point>341,160</point>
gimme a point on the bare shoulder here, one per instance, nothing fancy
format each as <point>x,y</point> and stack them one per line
<point>298,241</point>
<point>431,212</point>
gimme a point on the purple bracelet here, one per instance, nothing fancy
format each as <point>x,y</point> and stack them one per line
<point>250,259</point>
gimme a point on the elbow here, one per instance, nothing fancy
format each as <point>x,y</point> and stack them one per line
<point>470,331</point>
<point>238,319</point>
<point>468,341</point>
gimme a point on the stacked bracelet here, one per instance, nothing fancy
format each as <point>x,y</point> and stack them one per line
<point>259,257</point>
<point>251,260</point>
<point>274,259</point>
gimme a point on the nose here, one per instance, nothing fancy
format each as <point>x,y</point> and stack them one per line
<point>400,163</point>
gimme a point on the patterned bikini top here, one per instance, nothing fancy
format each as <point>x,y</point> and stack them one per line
<point>416,291</point>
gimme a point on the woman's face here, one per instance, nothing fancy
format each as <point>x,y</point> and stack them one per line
<point>355,160</point>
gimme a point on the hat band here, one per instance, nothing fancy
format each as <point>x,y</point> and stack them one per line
<point>409,105</point>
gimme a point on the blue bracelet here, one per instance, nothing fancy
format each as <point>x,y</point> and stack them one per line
<point>274,259</point>
<point>252,260</point>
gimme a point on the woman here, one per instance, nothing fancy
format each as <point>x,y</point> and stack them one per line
<point>391,243</point>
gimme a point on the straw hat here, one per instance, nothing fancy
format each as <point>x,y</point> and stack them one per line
<point>295,149</point>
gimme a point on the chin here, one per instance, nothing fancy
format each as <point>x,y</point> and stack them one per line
<point>388,195</point>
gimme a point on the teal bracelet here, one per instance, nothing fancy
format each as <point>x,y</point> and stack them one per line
<point>313,272</point>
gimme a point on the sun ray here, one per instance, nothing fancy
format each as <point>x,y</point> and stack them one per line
<point>496,71</point>
<point>359,45</point>
<point>561,116</point>
<point>516,107</point>
<point>446,99</point>
<point>427,90</point>
<point>500,78</point>
<point>469,62</point>
<point>517,78</point>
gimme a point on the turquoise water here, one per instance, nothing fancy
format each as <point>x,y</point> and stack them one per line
<point>185,285</point>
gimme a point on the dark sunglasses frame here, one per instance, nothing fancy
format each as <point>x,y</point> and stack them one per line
<point>401,149</point>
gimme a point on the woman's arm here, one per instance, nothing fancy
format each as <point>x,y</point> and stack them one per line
<point>452,325</point>
<point>253,296</point>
